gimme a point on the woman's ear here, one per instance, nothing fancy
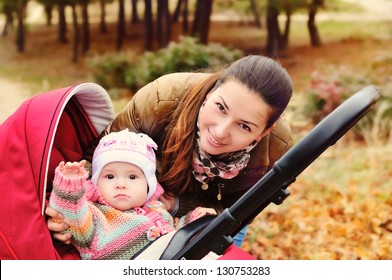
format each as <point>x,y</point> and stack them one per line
<point>265,132</point>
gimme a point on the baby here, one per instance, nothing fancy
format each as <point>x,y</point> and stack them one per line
<point>115,214</point>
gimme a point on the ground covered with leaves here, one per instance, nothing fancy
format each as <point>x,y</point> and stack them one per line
<point>340,208</point>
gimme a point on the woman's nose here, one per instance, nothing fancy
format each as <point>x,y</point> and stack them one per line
<point>222,130</point>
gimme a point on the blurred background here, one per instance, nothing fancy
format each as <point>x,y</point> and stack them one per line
<point>341,206</point>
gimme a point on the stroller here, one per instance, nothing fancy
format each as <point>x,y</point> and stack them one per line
<point>46,129</point>
<point>63,123</point>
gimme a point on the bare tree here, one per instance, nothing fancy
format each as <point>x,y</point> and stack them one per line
<point>177,11</point>
<point>62,25</point>
<point>185,17</point>
<point>8,10</point>
<point>256,13</point>
<point>181,9</point>
<point>102,22</point>
<point>85,27</point>
<point>48,13</point>
<point>315,39</point>
<point>273,31</point>
<point>120,25</point>
<point>20,35</point>
<point>135,15</point>
<point>163,23</point>
<point>148,24</point>
<point>201,24</point>
<point>284,38</point>
<point>76,35</point>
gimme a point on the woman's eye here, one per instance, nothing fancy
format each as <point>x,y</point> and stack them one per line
<point>245,127</point>
<point>220,107</point>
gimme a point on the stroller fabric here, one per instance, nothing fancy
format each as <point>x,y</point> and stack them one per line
<point>45,129</point>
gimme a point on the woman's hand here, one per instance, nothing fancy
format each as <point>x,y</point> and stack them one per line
<point>56,225</point>
<point>202,211</point>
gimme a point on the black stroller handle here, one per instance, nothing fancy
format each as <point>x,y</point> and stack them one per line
<point>272,187</point>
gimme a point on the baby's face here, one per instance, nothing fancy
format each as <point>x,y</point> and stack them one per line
<point>123,185</point>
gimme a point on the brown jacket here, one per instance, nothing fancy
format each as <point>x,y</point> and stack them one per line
<point>161,96</point>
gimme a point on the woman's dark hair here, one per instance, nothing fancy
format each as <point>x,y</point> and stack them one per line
<point>260,74</point>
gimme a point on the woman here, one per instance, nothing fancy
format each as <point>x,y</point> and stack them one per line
<point>217,134</point>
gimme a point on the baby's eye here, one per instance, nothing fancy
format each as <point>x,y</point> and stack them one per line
<point>132,177</point>
<point>110,176</point>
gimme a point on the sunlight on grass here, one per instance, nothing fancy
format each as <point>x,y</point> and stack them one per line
<point>331,31</point>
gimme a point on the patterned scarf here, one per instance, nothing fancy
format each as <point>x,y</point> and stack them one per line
<point>206,167</point>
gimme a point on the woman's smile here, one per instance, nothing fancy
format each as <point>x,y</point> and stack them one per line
<point>213,141</point>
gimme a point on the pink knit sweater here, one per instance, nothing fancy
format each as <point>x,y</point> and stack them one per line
<point>102,232</point>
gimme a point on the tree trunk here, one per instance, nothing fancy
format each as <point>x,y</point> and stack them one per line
<point>148,24</point>
<point>185,27</point>
<point>284,40</point>
<point>273,31</point>
<point>102,23</point>
<point>163,23</point>
<point>9,21</point>
<point>135,15</point>
<point>85,28</point>
<point>76,35</point>
<point>20,36</point>
<point>48,13</point>
<point>62,30</point>
<point>120,25</point>
<point>313,32</point>
<point>182,5</point>
<point>196,18</point>
<point>203,13</point>
<point>256,13</point>
<point>177,12</point>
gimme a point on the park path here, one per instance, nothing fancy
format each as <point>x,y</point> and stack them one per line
<point>11,96</point>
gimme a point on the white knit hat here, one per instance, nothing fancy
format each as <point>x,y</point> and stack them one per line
<point>130,147</point>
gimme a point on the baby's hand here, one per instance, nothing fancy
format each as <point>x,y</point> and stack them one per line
<point>72,168</point>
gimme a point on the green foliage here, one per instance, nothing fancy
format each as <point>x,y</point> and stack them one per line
<point>334,84</point>
<point>109,69</point>
<point>133,72</point>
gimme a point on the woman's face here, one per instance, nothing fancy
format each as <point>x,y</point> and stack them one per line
<point>232,118</point>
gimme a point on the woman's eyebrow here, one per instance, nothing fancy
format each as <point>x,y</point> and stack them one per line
<point>250,123</point>
<point>224,103</point>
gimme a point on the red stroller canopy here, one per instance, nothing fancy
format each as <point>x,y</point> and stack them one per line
<point>45,129</point>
